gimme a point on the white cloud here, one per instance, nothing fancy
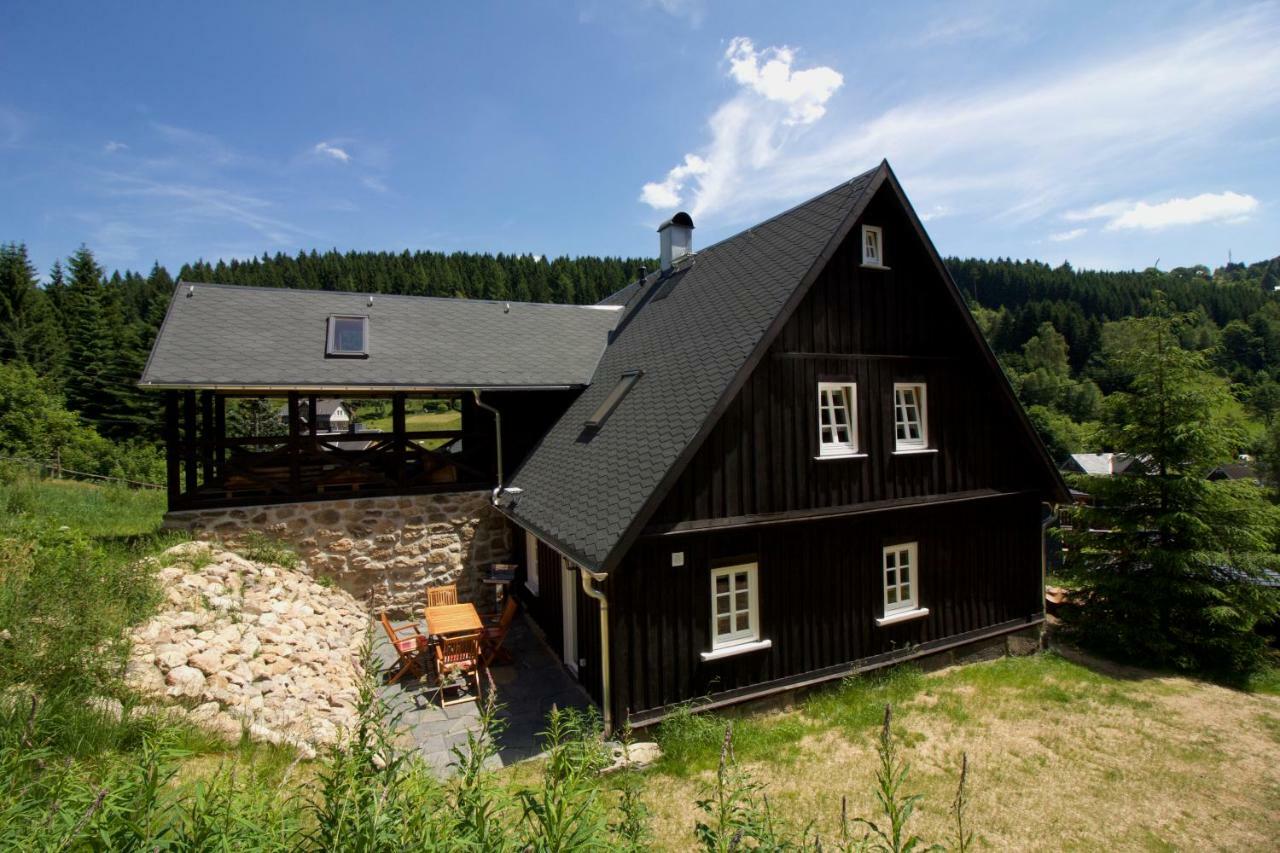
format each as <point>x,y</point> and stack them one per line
<point>327,149</point>
<point>374,183</point>
<point>1021,147</point>
<point>769,74</point>
<point>774,102</point>
<point>112,146</point>
<point>1064,236</point>
<point>1207,207</point>
<point>666,193</point>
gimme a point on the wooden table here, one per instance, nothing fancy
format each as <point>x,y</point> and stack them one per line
<point>453,619</point>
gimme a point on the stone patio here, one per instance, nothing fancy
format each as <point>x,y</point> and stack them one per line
<point>527,689</point>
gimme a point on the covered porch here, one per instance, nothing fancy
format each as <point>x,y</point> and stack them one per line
<point>228,450</point>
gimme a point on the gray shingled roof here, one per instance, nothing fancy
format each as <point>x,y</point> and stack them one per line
<point>226,336</point>
<point>583,492</point>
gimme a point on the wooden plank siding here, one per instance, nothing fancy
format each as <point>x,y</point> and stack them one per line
<point>821,590</point>
<point>874,328</point>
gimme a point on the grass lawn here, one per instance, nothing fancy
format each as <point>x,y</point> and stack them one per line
<point>1065,753</point>
<point>419,421</point>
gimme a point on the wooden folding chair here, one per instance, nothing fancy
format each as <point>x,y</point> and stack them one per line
<point>409,644</point>
<point>496,633</point>
<point>457,662</point>
<point>439,595</point>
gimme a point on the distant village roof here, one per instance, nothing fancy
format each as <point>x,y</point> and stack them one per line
<point>1233,471</point>
<point>324,408</point>
<point>1098,464</point>
<point>229,337</point>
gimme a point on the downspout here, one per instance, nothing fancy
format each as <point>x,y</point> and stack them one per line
<point>598,594</point>
<point>497,424</point>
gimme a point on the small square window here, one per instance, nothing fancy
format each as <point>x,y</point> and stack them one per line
<point>734,612</point>
<point>348,336</point>
<point>837,419</point>
<point>900,578</point>
<point>872,246</point>
<point>910,420</point>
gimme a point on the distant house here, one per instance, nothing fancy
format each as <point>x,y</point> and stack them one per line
<point>331,415</point>
<point>1233,471</point>
<point>1099,464</point>
<point>777,461</point>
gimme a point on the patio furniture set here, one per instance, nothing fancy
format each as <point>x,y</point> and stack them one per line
<point>456,645</point>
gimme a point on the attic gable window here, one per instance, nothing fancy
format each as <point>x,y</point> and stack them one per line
<point>873,246</point>
<point>624,386</point>
<point>348,337</point>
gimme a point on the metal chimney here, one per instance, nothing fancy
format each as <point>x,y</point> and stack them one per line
<point>675,238</point>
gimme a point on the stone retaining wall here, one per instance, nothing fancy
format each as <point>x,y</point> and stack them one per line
<point>384,551</point>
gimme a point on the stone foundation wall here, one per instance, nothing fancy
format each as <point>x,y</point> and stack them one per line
<point>384,551</point>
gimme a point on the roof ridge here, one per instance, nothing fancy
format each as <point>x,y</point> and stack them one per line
<point>366,293</point>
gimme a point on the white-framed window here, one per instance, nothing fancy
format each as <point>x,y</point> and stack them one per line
<point>872,246</point>
<point>735,616</point>
<point>531,562</point>
<point>348,336</point>
<point>837,418</point>
<point>901,577</point>
<point>910,417</point>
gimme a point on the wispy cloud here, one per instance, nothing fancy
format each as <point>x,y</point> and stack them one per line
<point>1017,149</point>
<point>947,25</point>
<point>1207,207</point>
<point>13,126</point>
<point>693,11</point>
<point>774,102</point>
<point>209,149</point>
<point>332,151</point>
<point>374,183</point>
<point>112,146</point>
<point>1066,236</point>
<point>199,202</point>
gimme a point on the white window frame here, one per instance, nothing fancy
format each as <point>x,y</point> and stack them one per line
<point>921,392</point>
<point>531,578</point>
<point>736,636</point>
<point>876,258</point>
<point>331,342</point>
<point>834,448</point>
<point>902,608</point>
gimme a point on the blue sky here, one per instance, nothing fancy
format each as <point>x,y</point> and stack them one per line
<point>1106,134</point>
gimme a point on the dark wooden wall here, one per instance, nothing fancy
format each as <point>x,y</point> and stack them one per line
<point>546,609</point>
<point>820,593</point>
<point>872,327</point>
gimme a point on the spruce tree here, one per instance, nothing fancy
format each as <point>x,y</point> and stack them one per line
<point>1172,568</point>
<point>29,330</point>
<point>89,336</point>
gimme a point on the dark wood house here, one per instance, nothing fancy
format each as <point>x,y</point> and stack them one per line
<point>775,461</point>
<point>796,459</point>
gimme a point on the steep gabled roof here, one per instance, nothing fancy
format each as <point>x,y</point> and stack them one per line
<point>226,336</point>
<point>694,336</point>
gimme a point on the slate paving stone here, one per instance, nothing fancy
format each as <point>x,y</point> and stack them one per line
<point>526,691</point>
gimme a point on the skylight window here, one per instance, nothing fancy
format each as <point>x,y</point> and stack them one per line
<point>348,337</point>
<point>602,412</point>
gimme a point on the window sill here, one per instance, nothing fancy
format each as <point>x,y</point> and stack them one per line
<point>867,266</point>
<point>902,616</point>
<point>852,455</point>
<point>739,649</point>
<point>915,451</point>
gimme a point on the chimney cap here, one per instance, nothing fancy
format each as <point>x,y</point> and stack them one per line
<point>680,218</point>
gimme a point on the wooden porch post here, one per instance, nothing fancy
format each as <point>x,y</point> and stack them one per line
<point>397,429</point>
<point>220,433</point>
<point>189,441</point>
<point>173,464</point>
<point>295,461</point>
<point>206,436</point>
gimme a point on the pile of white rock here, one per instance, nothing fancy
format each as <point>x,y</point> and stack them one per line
<point>253,647</point>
